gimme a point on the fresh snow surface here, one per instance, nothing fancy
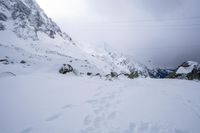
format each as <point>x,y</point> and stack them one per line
<point>47,102</point>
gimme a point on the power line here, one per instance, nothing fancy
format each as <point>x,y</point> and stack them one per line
<point>197,18</point>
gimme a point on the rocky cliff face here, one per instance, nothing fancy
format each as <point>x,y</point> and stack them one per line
<point>27,19</point>
<point>159,72</point>
<point>25,28</point>
<point>188,70</point>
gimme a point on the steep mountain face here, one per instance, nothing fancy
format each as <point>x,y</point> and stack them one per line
<point>159,72</point>
<point>27,34</point>
<point>24,25</point>
<point>188,70</point>
<point>26,19</point>
<point>110,60</point>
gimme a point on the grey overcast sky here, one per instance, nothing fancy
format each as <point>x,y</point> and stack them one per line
<point>165,32</point>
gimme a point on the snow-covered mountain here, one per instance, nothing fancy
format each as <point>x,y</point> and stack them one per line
<point>187,70</point>
<point>36,98</point>
<point>158,72</point>
<point>111,60</point>
<point>31,41</point>
<point>26,19</point>
<point>28,34</point>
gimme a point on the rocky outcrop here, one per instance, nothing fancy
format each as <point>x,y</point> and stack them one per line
<point>66,68</point>
<point>29,19</point>
<point>188,70</point>
<point>133,75</point>
<point>2,27</point>
<point>195,74</point>
<point>159,73</point>
<point>3,17</point>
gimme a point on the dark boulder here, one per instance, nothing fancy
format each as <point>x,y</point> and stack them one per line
<point>66,68</point>
<point>22,62</point>
<point>4,61</point>
<point>89,73</point>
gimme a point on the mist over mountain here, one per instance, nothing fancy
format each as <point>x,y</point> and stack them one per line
<point>144,29</point>
<point>52,83</point>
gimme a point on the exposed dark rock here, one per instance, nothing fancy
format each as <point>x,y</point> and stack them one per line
<point>4,5</point>
<point>98,74</point>
<point>113,74</point>
<point>20,10</point>
<point>3,17</point>
<point>195,74</point>
<point>159,73</point>
<point>52,33</point>
<point>66,68</point>
<point>22,62</point>
<point>185,64</point>
<point>133,75</point>
<point>28,17</point>
<point>89,73</point>
<point>38,19</point>
<point>2,27</point>
<point>4,61</point>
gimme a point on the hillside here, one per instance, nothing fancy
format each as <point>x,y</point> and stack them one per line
<point>51,84</point>
<point>36,39</point>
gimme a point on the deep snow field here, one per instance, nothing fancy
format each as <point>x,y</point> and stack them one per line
<point>44,102</point>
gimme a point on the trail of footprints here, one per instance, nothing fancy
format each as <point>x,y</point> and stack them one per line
<point>145,127</point>
<point>50,118</point>
<point>104,110</point>
<point>195,108</point>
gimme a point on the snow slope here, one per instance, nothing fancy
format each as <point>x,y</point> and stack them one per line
<point>30,31</point>
<point>35,98</point>
<point>108,59</point>
<point>52,103</point>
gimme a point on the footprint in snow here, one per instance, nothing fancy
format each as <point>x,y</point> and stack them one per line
<point>151,128</point>
<point>67,106</point>
<point>93,101</point>
<point>87,120</point>
<point>112,115</point>
<point>27,130</point>
<point>53,117</point>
